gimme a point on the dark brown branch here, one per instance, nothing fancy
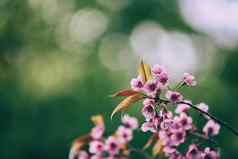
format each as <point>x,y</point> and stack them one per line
<point>226,125</point>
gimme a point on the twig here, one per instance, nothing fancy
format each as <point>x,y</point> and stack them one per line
<point>226,125</point>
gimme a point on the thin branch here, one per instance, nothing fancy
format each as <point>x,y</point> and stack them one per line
<point>223,123</point>
<point>226,125</point>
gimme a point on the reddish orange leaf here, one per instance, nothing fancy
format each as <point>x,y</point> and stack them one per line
<point>77,145</point>
<point>157,147</point>
<point>124,93</point>
<point>126,103</point>
<point>150,141</point>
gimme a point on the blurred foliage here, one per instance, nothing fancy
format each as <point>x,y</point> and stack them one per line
<point>48,92</point>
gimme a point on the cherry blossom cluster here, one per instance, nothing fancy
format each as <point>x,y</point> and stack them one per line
<point>167,114</point>
<point>112,147</point>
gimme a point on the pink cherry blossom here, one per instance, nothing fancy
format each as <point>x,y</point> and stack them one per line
<point>130,122</point>
<point>204,107</point>
<point>157,70</point>
<point>83,155</point>
<point>164,136</point>
<point>169,150</point>
<point>148,101</point>
<point>163,78</point>
<point>157,120</point>
<point>148,112</point>
<point>137,84</point>
<point>178,137</point>
<point>174,96</point>
<point>152,88</point>
<point>185,121</point>
<point>96,147</point>
<point>148,126</point>
<point>211,128</point>
<point>166,124</point>
<point>189,79</point>
<point>97,132</point>
<point>193,152</point>
<point>124,135</point>
<point>183,108</point>
<point>166,116</point>
<point>112,145</point>
<point>96,157</point>
<point>210,154</point>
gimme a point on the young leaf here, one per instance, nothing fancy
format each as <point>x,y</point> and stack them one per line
<point>157,147</point>
<point>144,71</point>
<point>126,103</point>
<point>98,120</point>
<point>124,93</point>
<point>150,141</point>
<point>77,145</point>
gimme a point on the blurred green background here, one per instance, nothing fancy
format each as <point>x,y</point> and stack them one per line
<point>60,59</point>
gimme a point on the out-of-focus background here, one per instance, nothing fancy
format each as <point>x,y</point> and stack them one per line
<point>60,59</point>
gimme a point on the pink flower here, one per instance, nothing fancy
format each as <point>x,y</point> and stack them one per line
<point>185,121</point>
<point>130,122</point>
<point>157,70</point>
<point>182,108</point>
<point>97,132</point>
<point>137,84</point>
<point>148,101</point>
<point>124,134</point>
<point>157,120</point>
<point>148,112</point>
<point>166,124</point>
<point>169,150</point>
<point>210,154</point>
<point>152,88</point>
<point>193,152</point>
<point>168,115</point>
<point>96,157</point>
<point>104,156</point>
<point>211,128</point>
<point>174,96</point>
<point>163,78</point>
<point>203,107</point>
<point>148,126</point>
<point>96,147</point>
<point>83,155</point>
<point>175,155</point>
<point>178,137</point>
<point>189,79</point>
<point>112,145</point>
<point>163,135</point>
